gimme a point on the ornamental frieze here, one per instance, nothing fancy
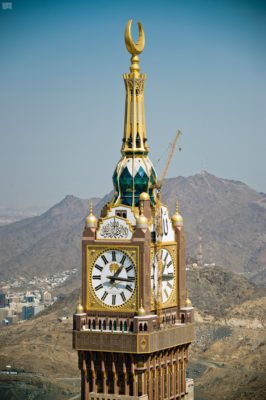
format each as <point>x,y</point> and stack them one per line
<point>114,228</point>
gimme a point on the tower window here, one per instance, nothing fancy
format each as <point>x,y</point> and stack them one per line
<point>138,141</point>
<point>121,213</point>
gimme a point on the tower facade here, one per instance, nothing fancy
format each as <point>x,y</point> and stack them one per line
<point>134,324</point>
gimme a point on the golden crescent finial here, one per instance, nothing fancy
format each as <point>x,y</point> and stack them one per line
<point>132,47</point>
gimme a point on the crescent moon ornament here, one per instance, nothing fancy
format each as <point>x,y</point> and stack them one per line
<point>132,47</point>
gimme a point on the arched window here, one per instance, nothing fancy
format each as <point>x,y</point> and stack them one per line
<point>89,324</point>
<point>138,141</point>
<point>110,325</point>
<point>114,325</point>
<point>140,327</point>
<point>104,325</point>
<point>145,327</point>
<point>129,142</point>
<point>125,326</point>
<point>182,318</point>
<point>93,324</point>
<point>131,327</point>
<point>121,325</point>
<point>100,324</point>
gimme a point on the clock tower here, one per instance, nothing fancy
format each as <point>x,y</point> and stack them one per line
<point>134,324</point>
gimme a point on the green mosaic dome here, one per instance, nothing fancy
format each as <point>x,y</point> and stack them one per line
<point>144,180</point>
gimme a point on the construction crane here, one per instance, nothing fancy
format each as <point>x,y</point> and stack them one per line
<point>169,159</point>
<point>158,231</point>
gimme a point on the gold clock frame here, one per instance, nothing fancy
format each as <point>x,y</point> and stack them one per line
<point>93,303</point>
<point>172,249</point>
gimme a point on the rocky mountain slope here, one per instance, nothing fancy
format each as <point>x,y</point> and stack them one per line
<point>230,216</point>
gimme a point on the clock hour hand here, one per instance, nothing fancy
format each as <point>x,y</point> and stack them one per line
<point>117,278</point>
<point>112,277</point>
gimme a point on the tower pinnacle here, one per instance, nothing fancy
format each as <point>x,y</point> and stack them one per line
<point>134,173</point>
<point>134,48</point>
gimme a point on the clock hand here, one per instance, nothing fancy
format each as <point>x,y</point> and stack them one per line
<point>118,278</point>
<point>112,277</point>
<point>167,277</point>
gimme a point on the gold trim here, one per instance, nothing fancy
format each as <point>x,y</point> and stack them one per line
<point>172,249</point>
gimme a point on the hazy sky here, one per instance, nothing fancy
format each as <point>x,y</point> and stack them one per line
<point>62,92</point>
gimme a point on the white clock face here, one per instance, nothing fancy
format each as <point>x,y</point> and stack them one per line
<point>162,275</point>
<point>113,278</point>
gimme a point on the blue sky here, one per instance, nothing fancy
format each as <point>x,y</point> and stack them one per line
<point>62,92</point>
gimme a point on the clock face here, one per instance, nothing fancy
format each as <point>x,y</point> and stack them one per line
<point>113,278</point>
<point>162,275</point>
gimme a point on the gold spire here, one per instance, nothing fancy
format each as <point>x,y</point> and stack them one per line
<point>141,220</point>
<point>134,141</point>
<point>134,48</point>
<point>91,220</point>
<point>144,196</point>
<point>177,219</point>
<point>79,309</point>
<point>188,301</point>
<point>141,310</point>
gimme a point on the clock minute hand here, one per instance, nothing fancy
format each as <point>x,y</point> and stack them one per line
<point>167,277</point>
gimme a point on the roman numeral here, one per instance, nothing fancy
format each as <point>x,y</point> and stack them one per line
<point>165,258</point>
<point>98,267</point>
<point>123,260</point>
<point>165,292</point>
<point>99,287</point>
<point>113,256</point>
<point>96,277</point>
<point>169,285</point>
<point>129,288</point>
<point>170,263</point>
<point>131,278</point>
<point>104,296</point>
<point>104,259</point>
<point>152,277</point>
<point>129,268</point>
<point>113,299</point>
<point>123,296</point>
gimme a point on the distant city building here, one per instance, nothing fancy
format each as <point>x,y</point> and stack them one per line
<point>29,298</point>
<point>4,312</point>
<point>30,310</point>
<point>38,308</point>
<point>46,297</point>
<point>12,299</point>
<point>2,299</point>
<point>27,312</point>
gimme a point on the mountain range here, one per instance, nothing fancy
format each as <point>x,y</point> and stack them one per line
<point>226,218</point>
